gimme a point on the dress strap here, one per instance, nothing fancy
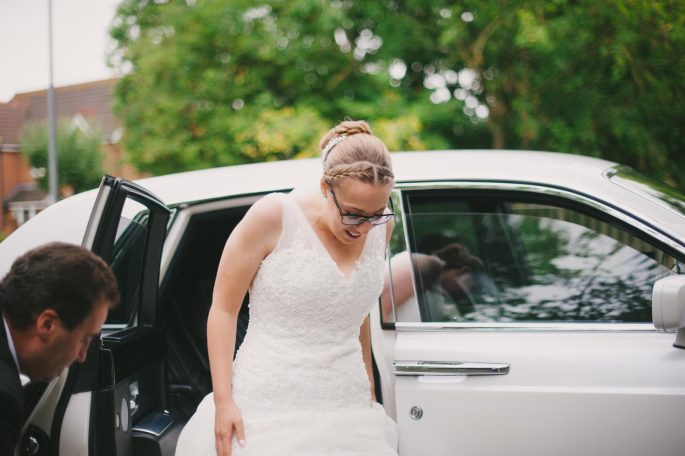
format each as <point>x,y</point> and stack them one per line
<point>287,222</point>
<point>291,220</point>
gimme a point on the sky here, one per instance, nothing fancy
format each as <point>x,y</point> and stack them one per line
<point>79,41</point>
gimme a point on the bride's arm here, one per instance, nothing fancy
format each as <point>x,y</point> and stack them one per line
<point>251,240</point>
<point>365,331</point>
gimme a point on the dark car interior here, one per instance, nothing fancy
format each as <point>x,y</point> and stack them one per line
<point>151,375</point>
<point>186,297</point>
<point>160,374</point>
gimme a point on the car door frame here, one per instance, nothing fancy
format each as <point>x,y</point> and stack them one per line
<point>386,334</point>
<point>88,389</point>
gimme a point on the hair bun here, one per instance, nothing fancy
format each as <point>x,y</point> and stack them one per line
<point>347,128</point>
<point>351,127</point>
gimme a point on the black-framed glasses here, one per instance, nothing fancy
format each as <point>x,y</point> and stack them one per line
<point>356,219</point>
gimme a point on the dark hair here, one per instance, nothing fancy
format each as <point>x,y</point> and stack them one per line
<point>67,278</point>
<point>457,256</point>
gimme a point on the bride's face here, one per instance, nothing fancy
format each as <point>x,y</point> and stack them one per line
<point>354,197</point>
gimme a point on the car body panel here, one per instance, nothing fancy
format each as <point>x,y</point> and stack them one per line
<point>599,388</point>
<point>566,393</point>
<point>571,387</point>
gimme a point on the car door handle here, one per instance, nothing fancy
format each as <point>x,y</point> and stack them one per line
<point>448,368</point>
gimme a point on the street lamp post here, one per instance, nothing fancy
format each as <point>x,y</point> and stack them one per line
<point>52,123</point>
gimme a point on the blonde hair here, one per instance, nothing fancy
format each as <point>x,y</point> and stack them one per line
<point>352,151</point>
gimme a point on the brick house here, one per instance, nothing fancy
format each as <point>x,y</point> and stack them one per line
<point>84,104</point>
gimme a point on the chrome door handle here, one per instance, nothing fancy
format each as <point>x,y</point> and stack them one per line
<point>134,397</point>
<point>448,368</point>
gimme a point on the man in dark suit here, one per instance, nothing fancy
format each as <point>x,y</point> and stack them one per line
<point>53,301</point>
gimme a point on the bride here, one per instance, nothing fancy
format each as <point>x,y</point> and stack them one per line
<point>302,382</point>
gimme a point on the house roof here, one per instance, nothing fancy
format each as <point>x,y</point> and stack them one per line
<point>25,193</point>
<point>11,122</point>
<point>92,100</point>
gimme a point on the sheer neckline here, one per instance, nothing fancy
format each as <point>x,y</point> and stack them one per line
<point>306,221</point>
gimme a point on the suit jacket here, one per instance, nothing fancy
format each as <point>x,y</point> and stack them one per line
<point>11,398</point>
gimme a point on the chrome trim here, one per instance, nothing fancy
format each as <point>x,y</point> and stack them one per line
<point>109,328</point>
<point>403,216</point>
<point>96,216</point>
<point>133,398</point>
<point>526,327</point>
<point>404,368</point>
<point>416,412</point>
<point>541,189</point>
<point>531,326</point>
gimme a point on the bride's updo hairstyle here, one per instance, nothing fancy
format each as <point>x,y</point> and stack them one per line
<point>350,150</point>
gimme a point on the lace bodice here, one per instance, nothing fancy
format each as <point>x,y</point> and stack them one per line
<point>299,378</point>
<point>305,316</point>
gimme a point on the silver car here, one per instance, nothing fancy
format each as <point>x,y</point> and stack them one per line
<point>534,305</point>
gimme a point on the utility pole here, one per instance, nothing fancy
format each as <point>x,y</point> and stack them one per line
<point>52,123</point>
<point>2,186</point>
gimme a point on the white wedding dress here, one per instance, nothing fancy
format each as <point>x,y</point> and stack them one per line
<point>299,378</point>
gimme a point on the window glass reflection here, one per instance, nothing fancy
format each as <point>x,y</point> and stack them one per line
<point>127,262</point>
<point>503,261</point>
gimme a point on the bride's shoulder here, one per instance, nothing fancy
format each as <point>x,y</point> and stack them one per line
<point>266,212</point>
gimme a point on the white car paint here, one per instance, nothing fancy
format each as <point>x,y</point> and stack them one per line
<point>569,391</point>
<point>75,429</point>
<point>67,219</point>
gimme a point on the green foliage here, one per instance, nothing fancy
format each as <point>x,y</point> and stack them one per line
<point>594,78</point>
<point>79,161</point>
<point>542,245</point>
<point>276,134</point>
<point>230,81</point>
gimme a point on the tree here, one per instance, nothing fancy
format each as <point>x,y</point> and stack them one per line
<point>587,77</point>
<point>209,79</point>
<point>80,156</point>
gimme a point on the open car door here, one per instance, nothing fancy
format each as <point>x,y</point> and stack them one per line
<point>114,403</point>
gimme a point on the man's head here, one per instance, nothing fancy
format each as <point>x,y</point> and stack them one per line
<point>55,299</point>
<point>458,276</point>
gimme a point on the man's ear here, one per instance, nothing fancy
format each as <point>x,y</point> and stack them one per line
<point>46,323</point>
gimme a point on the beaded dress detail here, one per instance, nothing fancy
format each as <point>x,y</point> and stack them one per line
<point>299,378</point>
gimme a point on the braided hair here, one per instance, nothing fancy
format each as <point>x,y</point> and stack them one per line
<point>350,150</point>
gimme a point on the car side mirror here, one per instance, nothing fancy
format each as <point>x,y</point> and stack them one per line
<point>668,306</point>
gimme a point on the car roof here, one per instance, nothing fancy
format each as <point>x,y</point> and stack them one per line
<point>521,166</point>
<point>68,218</point>
<point>576,173</point>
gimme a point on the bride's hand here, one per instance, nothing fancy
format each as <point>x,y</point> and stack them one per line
<point>228,420</point>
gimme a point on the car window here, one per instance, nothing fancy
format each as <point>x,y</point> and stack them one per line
<point>127,262</point>
<point>485,258</point>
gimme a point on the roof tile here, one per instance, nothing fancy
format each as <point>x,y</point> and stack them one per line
<point>92,100</point>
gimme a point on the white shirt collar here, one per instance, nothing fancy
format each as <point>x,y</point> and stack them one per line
<point>10,342</point>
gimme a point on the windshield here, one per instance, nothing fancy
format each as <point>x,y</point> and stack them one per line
<point>661,193</point>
